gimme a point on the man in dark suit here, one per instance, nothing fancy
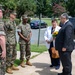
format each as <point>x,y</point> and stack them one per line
<point>65,45</point>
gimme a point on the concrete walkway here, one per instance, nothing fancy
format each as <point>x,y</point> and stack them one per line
<point>41,66</point>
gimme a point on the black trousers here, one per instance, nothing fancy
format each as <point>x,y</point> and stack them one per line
<point>54,61</point>
<point>65,58</point>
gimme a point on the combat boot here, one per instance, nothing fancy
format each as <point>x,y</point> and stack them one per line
<point>28,63</point>
<point>22,64</point>
<point>14,68</point>
<point>9,70</point>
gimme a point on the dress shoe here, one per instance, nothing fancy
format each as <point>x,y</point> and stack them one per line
<point>51,66</point>
<point>60,74</point>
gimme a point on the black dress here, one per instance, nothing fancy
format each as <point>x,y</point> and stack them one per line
<point>54,61</point>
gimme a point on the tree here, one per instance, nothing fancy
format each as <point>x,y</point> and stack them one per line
<point>44,7</point>
<point>8,6</point>
<point>25,7</point>
<point>58,10</point>
<point>47,11</point>
<point>20,6</point>
<point>70,6</point>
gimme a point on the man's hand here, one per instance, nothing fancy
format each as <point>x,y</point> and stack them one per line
<point>29,37</point>
<point>63,49</point>
<point>26,39</point>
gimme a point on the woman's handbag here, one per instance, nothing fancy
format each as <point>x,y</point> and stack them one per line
<point>55,53</point>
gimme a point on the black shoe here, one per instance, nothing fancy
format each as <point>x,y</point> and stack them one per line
<point>57,67</point>
<point>51,66</point>
<point>60,73</point>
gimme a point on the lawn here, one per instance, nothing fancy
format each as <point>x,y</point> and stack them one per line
<point>35,48</point>
<point>40,49</point>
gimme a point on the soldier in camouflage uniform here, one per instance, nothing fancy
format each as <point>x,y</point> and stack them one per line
<point>24,41</point>
<point>11,44</point>
<point>2,46</point>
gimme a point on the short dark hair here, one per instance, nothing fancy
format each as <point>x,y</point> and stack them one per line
<point>54,20</point>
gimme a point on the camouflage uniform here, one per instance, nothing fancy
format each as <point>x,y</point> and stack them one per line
<point>10,43</point>
<point>24,46</point>
<point>2,60</point>
<point>2,66</point>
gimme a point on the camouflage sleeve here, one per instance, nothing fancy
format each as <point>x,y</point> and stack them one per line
<point>29,28</point>
<point>8,26</point>
<point>4,25</point>
<point>19,28</point>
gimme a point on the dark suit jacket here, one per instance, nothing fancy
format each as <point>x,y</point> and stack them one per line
<point>65,37</point>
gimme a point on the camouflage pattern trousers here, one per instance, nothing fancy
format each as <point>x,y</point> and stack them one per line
<point>25,51</point>
<point>10,54</point>
<point>2,66</point>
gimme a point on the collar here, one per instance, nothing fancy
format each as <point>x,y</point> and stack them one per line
<point>66,21</point>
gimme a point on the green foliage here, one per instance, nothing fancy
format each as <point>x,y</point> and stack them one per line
<point>10,5</point>
<point>17,21</point>
<point>31,7</point>
<point>70,6</point>
<point>17,62</point>
<point>44,7</point>
<point>25,6</point>
<point>29,20</point>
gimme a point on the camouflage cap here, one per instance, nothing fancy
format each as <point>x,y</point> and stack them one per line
<point>24,17</point>
<point>14,13</point>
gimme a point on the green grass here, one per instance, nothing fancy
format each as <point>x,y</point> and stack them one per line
<point>17,62</point>
<point>35,48</point>
<point>40,49</point>
<point>17,47</point>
